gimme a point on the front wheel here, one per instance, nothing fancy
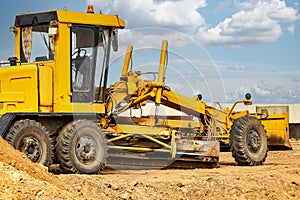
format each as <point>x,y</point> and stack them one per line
<point>248,141</point>
<point>31,138</point>
<point>81,148</point>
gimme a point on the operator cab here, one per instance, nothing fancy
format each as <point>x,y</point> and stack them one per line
<point>44,36</point>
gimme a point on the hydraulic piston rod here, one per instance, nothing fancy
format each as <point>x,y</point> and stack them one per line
<point>161,72</point>
<point>127,60</point>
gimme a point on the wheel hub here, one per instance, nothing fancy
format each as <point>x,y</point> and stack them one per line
<point>254,142</point>
<point>31,148</point>
<point>86,149</point>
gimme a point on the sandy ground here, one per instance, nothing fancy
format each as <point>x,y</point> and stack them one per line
<point>278,178</point>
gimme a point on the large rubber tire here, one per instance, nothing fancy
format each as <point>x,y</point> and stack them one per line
<point>81,148</point>
<point>32,138</point>
<point>248,141</point>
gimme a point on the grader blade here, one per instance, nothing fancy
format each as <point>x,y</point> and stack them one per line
<point>190,154</point>
<point>197,154</point>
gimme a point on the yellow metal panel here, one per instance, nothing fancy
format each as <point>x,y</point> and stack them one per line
<point>81,107</point>
<point>19,88</point>
<point>88,107</point>
<point>17,42</point>
<point>183,103</point>
<point>45,85</point>
<point>45,109</point>
<point>11,108</point>
<point>277,128</point>
<point>62,70</point>
<point>131,87</point>
<point>88,18</point>
<point>237,115</point>
<point>12,97</point>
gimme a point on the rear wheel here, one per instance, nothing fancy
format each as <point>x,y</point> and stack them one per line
<point>248,141</point>
<point>31,138</point>
<point>81,148</point>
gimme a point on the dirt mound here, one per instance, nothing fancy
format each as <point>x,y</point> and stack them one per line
<point>18,160</point>
<point>20,178</point>
<point>278,178</point>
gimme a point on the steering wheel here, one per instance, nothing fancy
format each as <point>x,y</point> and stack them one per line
<point>78,52</point>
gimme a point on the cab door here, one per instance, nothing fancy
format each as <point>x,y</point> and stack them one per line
<point>84,49</point>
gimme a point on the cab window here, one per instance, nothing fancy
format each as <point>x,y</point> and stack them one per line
<point>36,45</point>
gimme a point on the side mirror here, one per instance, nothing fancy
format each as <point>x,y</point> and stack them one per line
<point>114,40</point>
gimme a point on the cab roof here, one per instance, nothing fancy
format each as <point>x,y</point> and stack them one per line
<point>63,16</point>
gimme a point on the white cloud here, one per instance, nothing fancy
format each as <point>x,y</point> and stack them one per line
<point>260,93</point>
<point>152,37</point>
<point>244,5</point>
<point>238,67</point>
<point>291,29</point>
<point>257,21</point>
<point>180,15</point>
<point>279,11</point>
<point>254,22</point>
<point>265,89</point>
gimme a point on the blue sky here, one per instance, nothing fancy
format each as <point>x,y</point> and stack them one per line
<point>221,49</point>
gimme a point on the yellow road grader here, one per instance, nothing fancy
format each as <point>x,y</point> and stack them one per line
<point>57,108</point>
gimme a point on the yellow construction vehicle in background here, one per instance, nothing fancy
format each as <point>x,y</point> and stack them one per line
<point>56,107</point>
